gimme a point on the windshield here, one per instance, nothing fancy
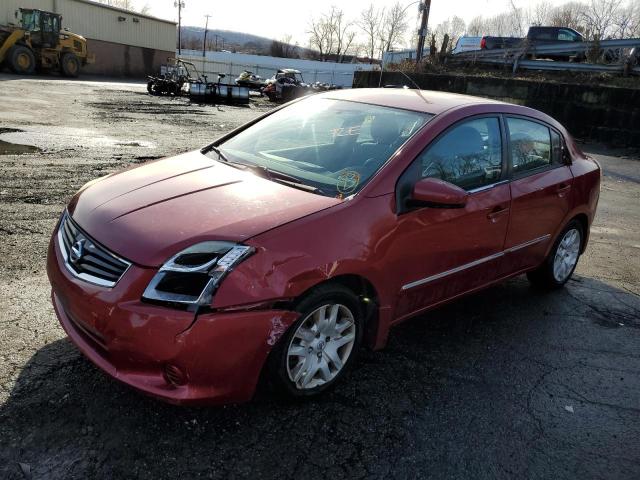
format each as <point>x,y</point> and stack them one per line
<point>334,146</point>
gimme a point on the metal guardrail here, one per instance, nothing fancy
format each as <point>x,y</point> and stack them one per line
<point>517,56</point>
<point>561,47</point>
<point>561,66</point>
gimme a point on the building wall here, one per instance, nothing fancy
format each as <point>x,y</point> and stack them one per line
<point>124,43</point>
<point>397,57</point>
<point>119,60</point>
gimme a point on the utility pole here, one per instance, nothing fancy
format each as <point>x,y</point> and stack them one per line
<point>180,5</point>
<point>206,27</point>
<point>422,33</point>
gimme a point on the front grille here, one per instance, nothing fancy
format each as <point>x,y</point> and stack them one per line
<point>87,259</point>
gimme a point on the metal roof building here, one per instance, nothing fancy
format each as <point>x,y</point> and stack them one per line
<point>125,43</point>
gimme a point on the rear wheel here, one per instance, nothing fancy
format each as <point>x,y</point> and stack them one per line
<point>22,60</point>
<point>562,260</point>
<point>70,65</point>
<point>320,347</point>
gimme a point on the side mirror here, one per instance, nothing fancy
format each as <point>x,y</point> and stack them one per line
<point>435,193</point>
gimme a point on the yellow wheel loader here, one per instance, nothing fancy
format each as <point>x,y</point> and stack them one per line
<point>39,43</point>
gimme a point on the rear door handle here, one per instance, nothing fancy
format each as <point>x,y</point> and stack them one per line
<point>495,214</point>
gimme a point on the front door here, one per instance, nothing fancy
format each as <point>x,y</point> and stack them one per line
<point>440,253</point>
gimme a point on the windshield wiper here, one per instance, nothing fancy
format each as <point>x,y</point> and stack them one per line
<point>221,156</point>
<point>280,177</point>
<point>267,173</point>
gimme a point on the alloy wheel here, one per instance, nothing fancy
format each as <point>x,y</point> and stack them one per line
<point>321,346</point>
<point>566,255</point>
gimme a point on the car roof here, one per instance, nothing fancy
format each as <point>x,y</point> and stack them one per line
<point>427,101</point>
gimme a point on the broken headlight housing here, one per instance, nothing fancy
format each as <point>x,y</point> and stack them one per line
<point>191,277</point>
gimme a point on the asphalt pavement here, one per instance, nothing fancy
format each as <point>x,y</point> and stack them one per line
<point>507,383</point>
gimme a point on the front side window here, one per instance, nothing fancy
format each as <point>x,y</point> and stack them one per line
<point>30,21</point>
<point>530,145</point>
<point>567,36</point>
<point>469,155</point>
<point>335,146</point>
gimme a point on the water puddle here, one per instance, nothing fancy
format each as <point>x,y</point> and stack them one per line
<point>8,148</point>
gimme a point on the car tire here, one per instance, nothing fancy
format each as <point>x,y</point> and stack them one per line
<point>22,60</point>
<point>70,65</point>
<point>558,267</point>
<point>315,341</point>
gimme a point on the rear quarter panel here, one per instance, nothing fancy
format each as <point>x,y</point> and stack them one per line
<point>586,188</point>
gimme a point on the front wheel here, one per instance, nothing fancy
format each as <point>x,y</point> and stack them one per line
<point>562,260</point>
<point>22,60</point>
<point>320,347</point>
<point>70,65</point>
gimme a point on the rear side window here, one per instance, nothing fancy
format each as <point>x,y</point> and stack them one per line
<point>530,145</point>
<point>469,155</point>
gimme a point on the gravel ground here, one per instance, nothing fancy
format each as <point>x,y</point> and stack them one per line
<point>508,383</point>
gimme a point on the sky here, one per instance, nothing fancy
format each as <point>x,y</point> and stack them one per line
<point>277,18</point>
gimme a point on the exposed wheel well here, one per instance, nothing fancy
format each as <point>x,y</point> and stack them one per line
<point>367,294</point>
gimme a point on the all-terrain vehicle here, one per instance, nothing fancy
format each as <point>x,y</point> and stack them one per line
<point>173,78</point>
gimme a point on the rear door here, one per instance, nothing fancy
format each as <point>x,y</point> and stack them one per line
<point>540,191</point>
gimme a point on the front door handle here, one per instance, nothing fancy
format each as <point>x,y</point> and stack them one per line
<point>495,214</point>
<point>563,188</point>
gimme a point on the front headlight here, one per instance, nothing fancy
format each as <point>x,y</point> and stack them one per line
<point>192,276</point>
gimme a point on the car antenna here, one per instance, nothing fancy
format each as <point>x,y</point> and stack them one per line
<point>418,90</point>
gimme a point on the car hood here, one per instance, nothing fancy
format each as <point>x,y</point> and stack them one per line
<point>149,213</point>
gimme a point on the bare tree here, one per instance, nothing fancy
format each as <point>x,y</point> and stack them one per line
<point>500,25</point>
<point>284,48</point>
<point>452,28</point>
<point>394,27</point>
<point>476,27</point>
<point>516,20</point>
<point>321,36</point>
<point>599,17</point>
<point>331,34</point>
<point>540,14</point>
<point>344,35</point>
<point>369,23</point>
<point>627,21</point>
<point>568,15</point>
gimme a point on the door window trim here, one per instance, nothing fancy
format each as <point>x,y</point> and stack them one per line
<point>541,169</point>
<point>503,166</point>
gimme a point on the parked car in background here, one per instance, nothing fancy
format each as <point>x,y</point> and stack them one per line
<point>288,244</point>
<point>467,44</point>
<point>550,35</point>
<point>535,36</point>
<point>544,35</point>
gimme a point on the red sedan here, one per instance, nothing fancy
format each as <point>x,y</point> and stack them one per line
<point>290,243</point>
